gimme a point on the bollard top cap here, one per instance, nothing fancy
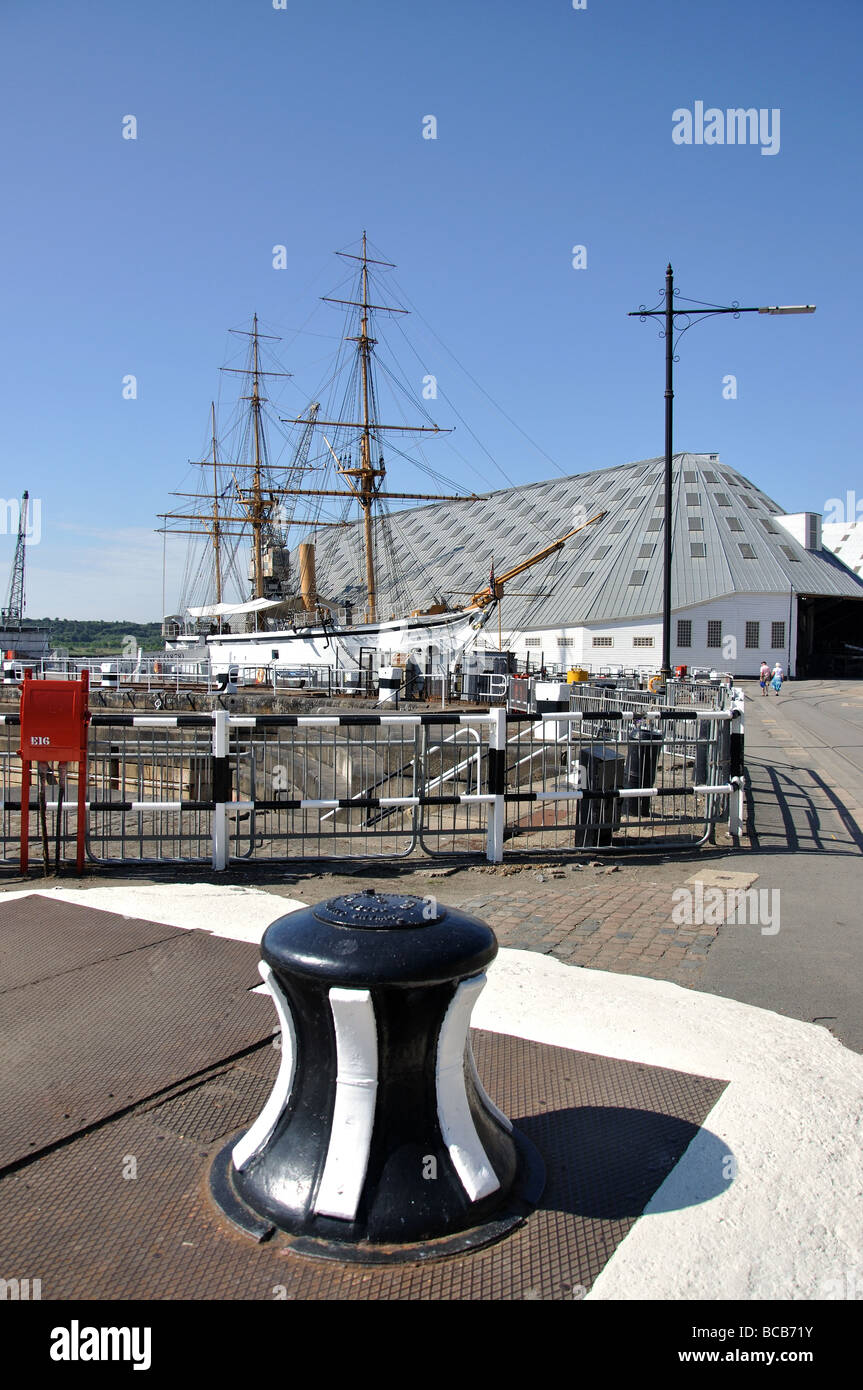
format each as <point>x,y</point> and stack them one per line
<point>374,911</point>
<point>367,938</point>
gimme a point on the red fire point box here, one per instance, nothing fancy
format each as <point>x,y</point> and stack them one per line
<point>54,718</point>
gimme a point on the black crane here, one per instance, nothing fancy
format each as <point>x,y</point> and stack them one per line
<point>12,615</point>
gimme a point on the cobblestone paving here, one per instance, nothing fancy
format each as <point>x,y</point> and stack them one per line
<point>592,914</point>
<point>593,918</point>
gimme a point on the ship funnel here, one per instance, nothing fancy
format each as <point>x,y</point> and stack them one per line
<point>308,583</point>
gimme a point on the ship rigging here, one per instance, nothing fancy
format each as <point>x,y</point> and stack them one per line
<point>257,498</point>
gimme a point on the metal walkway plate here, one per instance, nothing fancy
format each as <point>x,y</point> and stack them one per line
<point>124,1212</point>
<point>41,937</point>
<point>106,1012</point>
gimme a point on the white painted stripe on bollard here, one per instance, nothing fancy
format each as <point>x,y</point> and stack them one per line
<point>255,1138</point>
<point>468,1156</point>
<point>354,1110</point>
<point>483,1093</point>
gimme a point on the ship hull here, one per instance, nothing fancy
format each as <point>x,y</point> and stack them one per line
<point>434,641</point>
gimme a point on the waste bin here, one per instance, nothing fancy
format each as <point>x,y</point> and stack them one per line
<point>703,732</point>
<point>378,1142</point>
<point>642,759</point>
<point>601,770</point>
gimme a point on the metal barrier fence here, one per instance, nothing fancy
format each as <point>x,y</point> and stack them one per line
<point>220,787</point>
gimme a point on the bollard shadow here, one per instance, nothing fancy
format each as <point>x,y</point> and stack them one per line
<point>607,1162</point>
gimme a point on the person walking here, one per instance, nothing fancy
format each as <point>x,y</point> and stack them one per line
<point>764,676</point>
<point>776,682</point>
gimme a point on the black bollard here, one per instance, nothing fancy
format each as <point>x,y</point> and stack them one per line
<point>378,1142</point>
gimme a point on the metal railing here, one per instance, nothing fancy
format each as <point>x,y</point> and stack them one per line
<point>220,787</point>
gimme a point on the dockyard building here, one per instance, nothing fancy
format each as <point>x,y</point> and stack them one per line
<point>749,580</point>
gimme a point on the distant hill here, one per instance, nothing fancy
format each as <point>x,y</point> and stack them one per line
<point>83,637</point>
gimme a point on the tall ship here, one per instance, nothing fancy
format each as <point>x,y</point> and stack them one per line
<point>285,512</point>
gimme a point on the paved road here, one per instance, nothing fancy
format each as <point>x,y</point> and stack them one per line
<point>804,756</point>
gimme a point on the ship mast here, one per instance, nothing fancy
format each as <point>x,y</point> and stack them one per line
<point>367,472</point>
<point>365,482</point>
<point>256,510</point>
<point>217,549</point>
<point>255,503</point>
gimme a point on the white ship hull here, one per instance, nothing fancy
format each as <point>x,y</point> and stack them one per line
<point>436,641</point>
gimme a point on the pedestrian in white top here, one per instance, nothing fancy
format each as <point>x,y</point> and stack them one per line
<point>777,678</point>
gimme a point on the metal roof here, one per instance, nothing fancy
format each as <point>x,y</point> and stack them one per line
<point>725,542</point>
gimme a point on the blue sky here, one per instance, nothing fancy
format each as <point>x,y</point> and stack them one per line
<point>301,126</point>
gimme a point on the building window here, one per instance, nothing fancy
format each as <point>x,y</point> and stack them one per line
<point>697,550</point>
<point>714,633</point>
<point>655,524</point>
<point>696,523</point>
<point>734,524</point>
<point>601,553</point>
<point>723,499</point>
<point>531,641</point>
<point>753,641</point>
<point>646,552</point>
<point>603,641</point>
<point>642,641</point>
<point>581,579</point>
<point>777,635</point>
<point>789,553</point>
<point>638,576</point>
<point>566,641</point>
<point>684,632</point>
<point>693,499</point>
<point>746,550</point>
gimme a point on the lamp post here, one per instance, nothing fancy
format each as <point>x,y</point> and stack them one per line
<point>665,310</point>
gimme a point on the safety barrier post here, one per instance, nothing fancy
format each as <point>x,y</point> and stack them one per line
<point>221,789</point>
<point>736,765</point>
<point>496,785</point>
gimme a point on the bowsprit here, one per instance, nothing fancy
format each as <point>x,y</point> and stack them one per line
<point>378,1142</point>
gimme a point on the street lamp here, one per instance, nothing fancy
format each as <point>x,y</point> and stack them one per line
<point>667,311</point>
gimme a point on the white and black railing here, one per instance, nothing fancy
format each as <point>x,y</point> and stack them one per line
<point>222,787</point>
